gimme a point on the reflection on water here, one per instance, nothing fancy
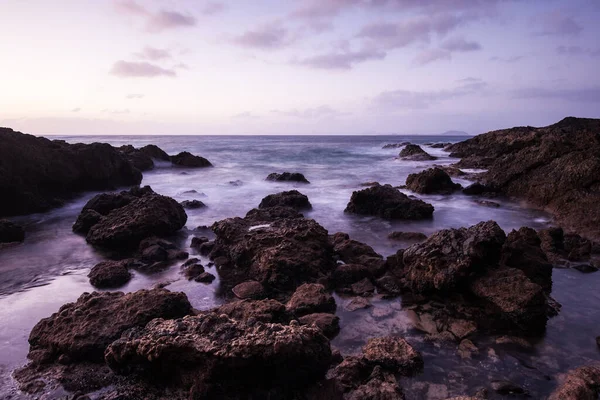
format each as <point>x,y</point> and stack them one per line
<point>50,268</point>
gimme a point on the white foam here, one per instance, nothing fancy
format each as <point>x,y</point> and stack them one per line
<point>255,227</point>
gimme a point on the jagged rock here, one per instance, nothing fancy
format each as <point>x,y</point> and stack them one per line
<point>37,174</point>
<point>389,203</point>
<point>82,330</point>
<point>327,323</point>
<point>155,152</point>
<point>311,298</point>
<point>354,252</point>
<point>205,277</point>
<point>268,310</point>
<point>192,269</point>
<point>394,354</point>
<point>214,356</point>
<point>198,241</point>
<point>363,287</point>
<point>450,257</point>
<point>407,236</point>
<point>138,159</point>
<point>11,232</point>
<point>582,383</point>
<point>249,290</point>
<point>110,274</point>
<point>561,247</point>
<point>413,152</point>
<point>287,177</point>
<point>85,221</point>
<point>431,181</point>
<point>476,189</point>
<point>395,145</point>
<point>293,199</point>
<point>192,204</point>
<point>186,159</point>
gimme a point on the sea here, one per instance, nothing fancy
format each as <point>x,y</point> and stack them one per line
<point>50,268</point>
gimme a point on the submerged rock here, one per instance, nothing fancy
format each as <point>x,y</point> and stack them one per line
<point>213,356</point>
<point>413,152</point>
<point>582,383</point>
<point>431,181</point>
<point>11,232</point>
<point>293,199</point>
<point>192,204</point>
<point>37,174</point>
<point>287,177</point>
<point>110,274</point>
<point>389,203</point>
<point>186,159</point>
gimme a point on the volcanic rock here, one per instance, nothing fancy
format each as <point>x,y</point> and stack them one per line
<point>431,181</point>
<point>311,298</point>
<point>287,177</point>
<point>327,323</point>
<point>109,274</point>
<point>413,152</point>
<point>155,152</point>
<point>579,384</point>
<point>292,198</point>
<point>186,159</point>
<point>192,204</point>
<point>389,203</point>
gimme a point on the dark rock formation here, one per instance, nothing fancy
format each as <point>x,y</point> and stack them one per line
<point>389,203</point>
<point>413,152</point>
<point>562,248</point>
<point>192,204</point>
<point>292,198</point>
<point>255,310</point>
<point>110,274</point>
<point>138,159</point>
<point>407,236</point>
<point>311,298</point>
<point>11,232</point>
<point>249,290</point>
<point>214,356</point>
<point>186,159</point>
<point>439,145</point>
<point>395,145</point>
<point>327,323</point>
<point>476,189</point>
<point>394,354</point>
<point>82,330</point>
<point>85,221</point>
<point>555,168</point>
<point>582,383</point>
<point>287,177</point>
<point>431,181</point>
<point>155,152</point>
<point>37,174</point>
<point>205,277</point>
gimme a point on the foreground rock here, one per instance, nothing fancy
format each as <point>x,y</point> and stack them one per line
<point>555,168</point>
<point>37,174</point>
<point>413,152</point>
<point>389,203</point>
<point>129,217</point>
<point>579,384</point>
<point>287,177</point>
<point>292,198</point>
<point>83,330</point>
<point>11,232</point>
<point>431,181</point>
<point>186,159</point>
<point>407,236</point>
<point>213,356</point>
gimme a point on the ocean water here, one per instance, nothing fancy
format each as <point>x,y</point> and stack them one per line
<point>50,268</point>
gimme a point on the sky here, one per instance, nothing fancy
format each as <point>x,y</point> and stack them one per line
<point>75,67</point>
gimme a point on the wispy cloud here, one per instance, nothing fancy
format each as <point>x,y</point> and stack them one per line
<point>406,99</point>
<point>557,23</point>
<point>125,69</point>
<point>116,111</point>
<point>508,60</point>
<point>460,44</point>
<point>431,55</point>
<point>153,54</point>
<point>156,21</point>
<point>76,110</point>
<point>343,59</point>
<point>267,36</point>
<point>579,95</point>
<point>245,115</point>
<point>577,51</point>
<point>310,113</point>
<point>134,96</point>
<point>213,8</point>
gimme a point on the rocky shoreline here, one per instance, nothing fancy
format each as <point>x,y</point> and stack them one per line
<point>279,270</point>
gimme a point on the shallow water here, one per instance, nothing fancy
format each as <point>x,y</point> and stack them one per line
<point>50,268</point>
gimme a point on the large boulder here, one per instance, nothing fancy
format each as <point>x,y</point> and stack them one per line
<point>561,247</point>
<point>414,152</point>
<point>448,258</point>
<point>11,232</point>
<point>110,274</point>
<point>267,310</point>
<point>138,159</point>
<point>393,353</point>
<point>389,203</point>
<point>582,383</point>
<point>555,168</point>
<point>287,177</point>
<point>146,216</point>
<point>311,298</point>
<point>81,331</point>
<point>155,152</point>
<point>431,181</point>
<point>37,174</point>
<point>186,159</point>
<point>214,356</point>
<point>293,199</point>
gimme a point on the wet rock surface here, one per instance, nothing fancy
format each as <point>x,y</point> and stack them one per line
<point>580,384</point>
<point>407,236</point>
<point>413,152</point>
<point>431,181</point>
<point>192,204</point>
<point>11,232</point>
<point>293,199</point>
<point>61,171</point>
<point>186,159</point>
<point>155,152</point>
<point>110,274</point>
<point>311,298</point>
<point>555,168</point>
<point>389,203</point>
<point>287,177</point>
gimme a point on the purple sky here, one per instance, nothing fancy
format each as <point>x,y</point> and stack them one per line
<point>296,66</point>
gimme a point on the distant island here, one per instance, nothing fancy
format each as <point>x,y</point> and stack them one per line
<point>455,133</point>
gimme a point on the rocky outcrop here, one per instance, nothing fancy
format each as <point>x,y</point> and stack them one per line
<point>192,204</point>
<point>407,236</point>
<point>413,152</point>
<point>311,298</point>
<point>582,383</point>
<point>213,356</point>
<point>389,203</point>
<point>186,159</point>
<point>82,331</point>
<point>566,248</point>
<point>555,168</point>
<point>155,152</point>
<point>37,174</point>
<point>394,354</point>
<point>11,232</point>
<point>395,145</point>
<point>110,274</point>
<point>287,177</point>
<point>293,199</point>
<point>129,217</point>
<point>431,181</point>
<point>137,158</point>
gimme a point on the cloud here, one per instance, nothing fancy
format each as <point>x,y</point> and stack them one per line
<point>116,111</point>
<point>75,110</point>
<point>398,99</point>
<point>559,24</point>
<point>153,54</point>
<point>431,55</point>
<point>344,59</point>
<point>577,51</point>
<point>181,66</point>
<point>245,115</point>
<point>156,21</point>
<point>268,36</point>
<point>125,69</point>
<point>469,79</point>
<point>130,7</point>
<point>213,8</point>
<point>135,96</point>
<point>584,95</point>
<point>310,113</point>
<point>460,44</point>
<point>508,60</point>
